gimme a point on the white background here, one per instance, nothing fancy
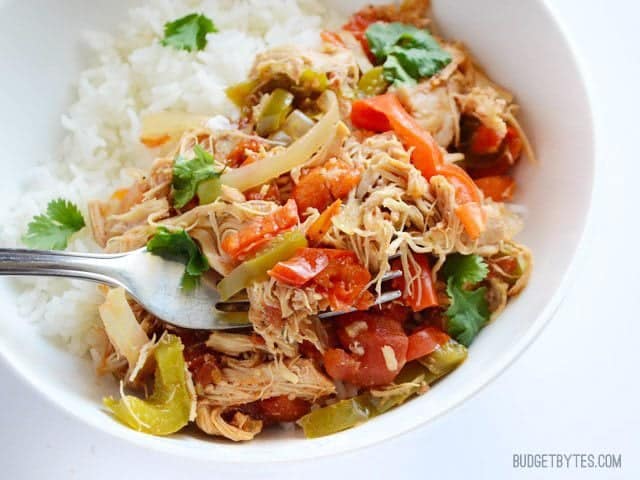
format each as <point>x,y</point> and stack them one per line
<point>574,391</point>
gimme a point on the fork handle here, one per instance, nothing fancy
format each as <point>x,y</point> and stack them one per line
<point>86,266</point>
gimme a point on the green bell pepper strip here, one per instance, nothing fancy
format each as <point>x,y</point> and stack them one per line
<point>169,408</point>
<point>254,270</point>
<point>373,83</point>
<point>275,112</point>
<point>209,190</point>
<point>414,376</point>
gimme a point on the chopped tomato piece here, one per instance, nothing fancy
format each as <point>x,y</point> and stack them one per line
<point>423,294</point>
<point>256,234</point>
<point>319,228</point>
<point>344,281</point>
<point>484,141</point>
<point>283,408</point>
<point>272,193</point>
<point>499,188</point>
<point>321,186</point>
<point>377,349</point>
<point>238,155</point>
<point>514,143</point>
<point>300,268</point>
<point>385,112</point>
<point>424,341</point>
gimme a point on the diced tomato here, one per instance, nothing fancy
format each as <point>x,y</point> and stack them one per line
<point>283,408</point>
<point>423,294</point>
<point>357,26</point>
<point>424,341</point>
<point>322,185</point>
<point>514,143</point>
<point>256,234</point>
<point>319,228</point>
<point>238,155</point>
<point>302,267</point>
<point>484,141</point>
<point>377,348</point>
<point>344,281</point>
<point>204,368</point>
<point>499,188</point>
<point>272,194</point>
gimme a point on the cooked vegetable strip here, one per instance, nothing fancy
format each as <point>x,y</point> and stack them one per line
<point>261,171</point>
<point>123,330</point>
<point>499,188</point>
<point>254,270</point>
<point>188,32</point>
<point>158,128</point>
<point>180,246</point>
<point>53,230</point>
<point>274,113</point>
<point>171,405</point>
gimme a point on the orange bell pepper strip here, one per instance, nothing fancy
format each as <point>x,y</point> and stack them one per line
<point>498,187</point>
<point>385,112</point>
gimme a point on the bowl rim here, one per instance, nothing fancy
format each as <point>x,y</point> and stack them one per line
<point>56,396</point>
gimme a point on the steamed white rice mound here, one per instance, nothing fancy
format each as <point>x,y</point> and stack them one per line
<point>132,74</point>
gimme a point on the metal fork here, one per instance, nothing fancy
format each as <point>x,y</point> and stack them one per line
<point>152,281</point>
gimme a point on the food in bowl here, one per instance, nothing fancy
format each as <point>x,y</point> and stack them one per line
<point>375,147</point>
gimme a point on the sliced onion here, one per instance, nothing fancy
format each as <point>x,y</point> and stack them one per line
<point>159,128</point>
<point>124,332</point>
<point>297,124</point>
<point>260,172</point>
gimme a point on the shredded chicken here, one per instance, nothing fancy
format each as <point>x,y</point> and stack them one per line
<point>296,377</point>
<point>283,316</point>
<point>241,428</point>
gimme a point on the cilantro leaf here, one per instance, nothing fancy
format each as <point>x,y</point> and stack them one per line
<point>465,268</point>
<point>188,33</point>
<point>407,53</point>
<point>179,246</point>
<point>51,231</point>
<point>188,174</point>
<point>468,312</point>
<point>469,309</point>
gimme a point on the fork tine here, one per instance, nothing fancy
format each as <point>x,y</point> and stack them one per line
<point>386,297</point>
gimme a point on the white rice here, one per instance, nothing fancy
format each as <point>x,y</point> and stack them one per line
<point>132,74</point>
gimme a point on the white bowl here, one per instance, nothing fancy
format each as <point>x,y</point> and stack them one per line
<point>519,43</point>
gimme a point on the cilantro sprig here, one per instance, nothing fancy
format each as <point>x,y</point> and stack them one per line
<point>188,32</point>
<point>179,246</point>
<point>407,53</point>
<point>52,230</point>
<point>469,309</point>
<point>189,174</point>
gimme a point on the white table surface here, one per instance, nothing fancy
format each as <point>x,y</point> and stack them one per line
<point>574,391</point>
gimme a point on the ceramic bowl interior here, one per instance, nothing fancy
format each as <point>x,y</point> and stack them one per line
<point>523,47</point>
